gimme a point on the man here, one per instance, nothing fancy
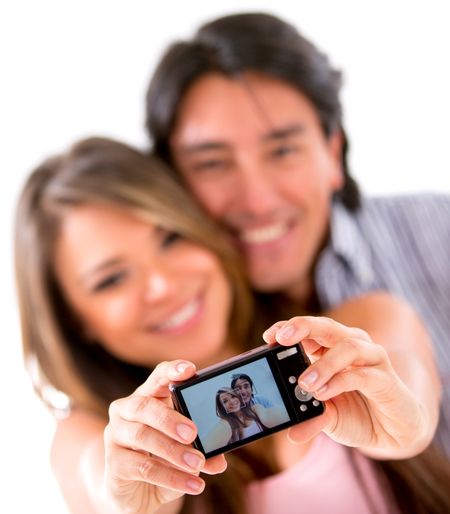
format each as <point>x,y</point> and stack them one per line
<point>243,384</point>
<point>248,112</point>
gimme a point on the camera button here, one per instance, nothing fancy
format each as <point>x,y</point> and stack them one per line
<point>292,380</point>
<point>301,395</point>
<point>316,403</point>
<point>303,407</point>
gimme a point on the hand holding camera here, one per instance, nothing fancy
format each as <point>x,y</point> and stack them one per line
<point>367,404</point>
<point>154,454</point>
<point>148,452</point>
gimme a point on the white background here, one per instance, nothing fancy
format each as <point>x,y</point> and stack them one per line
<point>72,69</point>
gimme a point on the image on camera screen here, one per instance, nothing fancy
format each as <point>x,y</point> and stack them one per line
<point>235,405</point>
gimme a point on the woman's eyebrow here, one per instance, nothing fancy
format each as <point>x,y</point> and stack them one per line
<point>101,266</point>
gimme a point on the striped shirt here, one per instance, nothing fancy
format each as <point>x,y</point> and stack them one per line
<point>400,244</point>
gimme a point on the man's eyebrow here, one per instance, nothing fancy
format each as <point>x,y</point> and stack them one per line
<point>284,132</point>
<point>203,146</point>
<point>274,134</point>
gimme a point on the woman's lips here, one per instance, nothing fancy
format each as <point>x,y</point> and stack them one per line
<point>181,319</point>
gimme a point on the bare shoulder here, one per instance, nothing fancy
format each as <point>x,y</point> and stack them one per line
<point>79,423</point>
<point>375,309</point>
<point>78,436</point>
<point>73,433</point>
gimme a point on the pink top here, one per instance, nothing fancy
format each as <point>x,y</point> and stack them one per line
<point>323,481</point>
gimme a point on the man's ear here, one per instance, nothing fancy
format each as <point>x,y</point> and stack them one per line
<point>335,147</point>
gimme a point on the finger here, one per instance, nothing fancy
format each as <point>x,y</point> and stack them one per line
<point>269,334</point>
<point>312,348</point>
<point>129,465</point>
<point>372,382</point>
<point>215,465</point>
<point>137,436</point>
<point>324,331</point>
<point>349,352</point>
<point>157,384</point>
<point>306,430</point>
<point>152,412</point>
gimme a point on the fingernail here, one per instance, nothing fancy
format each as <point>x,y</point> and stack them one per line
<point>286,332</point>
<point>193,460</point>
<point>309,379</point>
<point>185,432</point>
<point>182,366</point>
<point>268,332</point>
<point>194,485</point>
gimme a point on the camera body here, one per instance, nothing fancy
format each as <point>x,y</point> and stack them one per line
<point>247,397</point>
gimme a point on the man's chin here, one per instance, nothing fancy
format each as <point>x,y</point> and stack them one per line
<point>266,284</point>
<point>292,286</point>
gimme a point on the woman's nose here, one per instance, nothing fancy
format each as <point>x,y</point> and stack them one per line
<point>158,286</point>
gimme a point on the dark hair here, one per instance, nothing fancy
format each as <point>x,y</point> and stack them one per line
<point>247,42</point>
<point>241,376</point>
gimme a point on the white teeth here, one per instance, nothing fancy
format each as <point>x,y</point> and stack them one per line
<point>181,316</point>
<point>264,234</point>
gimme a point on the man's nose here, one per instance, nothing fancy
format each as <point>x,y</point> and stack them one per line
<point>255,191</point>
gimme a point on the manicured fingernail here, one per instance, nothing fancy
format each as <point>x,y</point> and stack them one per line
<point>194,485</point>
<point>185,432</point>
<point>193,460</point>
<point>182,366</point>
<point>270,331</point>
<point>309,379</point>
<point>286,332</point>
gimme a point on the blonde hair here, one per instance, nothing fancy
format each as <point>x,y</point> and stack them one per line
<point>99,170</point>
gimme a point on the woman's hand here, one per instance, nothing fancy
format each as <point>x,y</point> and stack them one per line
<point>149,460</point>
<point>368,405</point>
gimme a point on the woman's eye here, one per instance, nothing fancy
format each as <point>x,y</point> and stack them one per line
<point>170,238</point>
<point>109,281</point>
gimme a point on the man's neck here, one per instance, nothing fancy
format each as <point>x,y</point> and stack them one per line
<point>305,296</point>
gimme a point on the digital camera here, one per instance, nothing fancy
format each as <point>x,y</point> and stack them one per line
<point>247,397</point>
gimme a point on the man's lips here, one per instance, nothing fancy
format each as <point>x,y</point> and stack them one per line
<point>264,235</point>
<point>182,317</point>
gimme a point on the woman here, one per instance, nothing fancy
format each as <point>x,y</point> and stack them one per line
<point>124,286</point>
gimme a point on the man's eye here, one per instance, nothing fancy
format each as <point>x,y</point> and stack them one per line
<point>109,281</point>
<point>283,150</point>
<point>210,165</point>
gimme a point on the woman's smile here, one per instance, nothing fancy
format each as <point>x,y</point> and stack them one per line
<point>182,319</point>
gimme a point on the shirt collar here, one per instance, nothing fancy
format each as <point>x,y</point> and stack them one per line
<point>348,242</point>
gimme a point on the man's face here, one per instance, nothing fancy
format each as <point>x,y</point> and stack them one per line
<point>253,151</point>
<point>244,388</point>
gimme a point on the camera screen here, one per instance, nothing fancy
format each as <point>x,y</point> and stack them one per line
<point>235,405</point>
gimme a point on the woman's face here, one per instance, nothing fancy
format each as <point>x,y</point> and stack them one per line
<point>144,293</point>
<point>230,402</point>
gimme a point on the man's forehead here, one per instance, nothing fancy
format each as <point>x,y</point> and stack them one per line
<point>217,110</point>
